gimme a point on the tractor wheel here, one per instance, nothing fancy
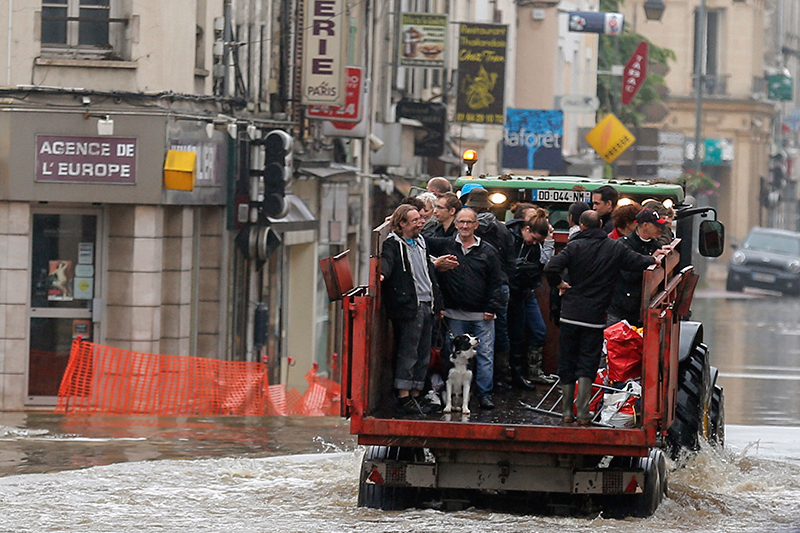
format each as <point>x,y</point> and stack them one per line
<point>716,423</point>
<point>692,402</point>
<point>382,497</point>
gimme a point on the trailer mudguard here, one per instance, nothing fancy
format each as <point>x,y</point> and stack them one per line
<point>691,335</point>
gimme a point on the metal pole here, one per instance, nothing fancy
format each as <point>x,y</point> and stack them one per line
<point>699,58</point>
<point>366,152</point>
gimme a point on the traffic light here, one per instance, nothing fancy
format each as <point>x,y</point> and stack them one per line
<point>277,172</point>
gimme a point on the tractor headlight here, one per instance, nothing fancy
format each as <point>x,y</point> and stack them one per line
<point>624,201</point>
<point>738,257</point>
<point>498,198</point>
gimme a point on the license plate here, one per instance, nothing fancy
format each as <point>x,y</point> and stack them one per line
<point>763,278</point>
<point>552,195</point>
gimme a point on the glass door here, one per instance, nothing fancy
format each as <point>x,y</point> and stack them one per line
<point>64,269</point>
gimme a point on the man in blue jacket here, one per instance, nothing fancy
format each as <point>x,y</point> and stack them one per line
<point>594,263</point>
<point>472,293</point>
<point>410,295</point>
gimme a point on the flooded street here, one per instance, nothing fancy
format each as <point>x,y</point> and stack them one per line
<point>242,474</point>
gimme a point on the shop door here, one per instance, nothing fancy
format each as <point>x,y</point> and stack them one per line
<point>64,270</point>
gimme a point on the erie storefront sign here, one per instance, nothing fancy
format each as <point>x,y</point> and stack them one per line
<point>62,159</point>
<point>324,53</point>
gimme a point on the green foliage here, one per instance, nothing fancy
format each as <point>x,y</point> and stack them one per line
<point>615,50</point>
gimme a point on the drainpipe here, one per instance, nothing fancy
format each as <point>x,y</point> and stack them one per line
<point>10,27</point>
<point>230,79</point>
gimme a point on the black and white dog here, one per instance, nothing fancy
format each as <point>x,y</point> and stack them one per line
<point>459,379</point>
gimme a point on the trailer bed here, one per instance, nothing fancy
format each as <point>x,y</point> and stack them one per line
<point>511,407</point>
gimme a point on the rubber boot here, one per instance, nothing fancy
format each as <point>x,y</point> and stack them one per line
<point>518,375</point>
<point>568,396</point>
<point>584,395</point>
<point>535,374</point>
<point>502,371</point>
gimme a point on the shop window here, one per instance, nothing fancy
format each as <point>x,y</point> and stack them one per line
<point>82,29</point>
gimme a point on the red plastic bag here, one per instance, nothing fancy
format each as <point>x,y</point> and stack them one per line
<point>625,347</point>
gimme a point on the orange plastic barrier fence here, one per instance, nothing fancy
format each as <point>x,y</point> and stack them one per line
<point>103,379</point>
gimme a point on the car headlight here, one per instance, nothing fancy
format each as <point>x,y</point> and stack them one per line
<point>738,258</point>
<point>794,267</point>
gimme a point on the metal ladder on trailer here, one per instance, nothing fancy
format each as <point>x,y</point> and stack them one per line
<point>550,403</point>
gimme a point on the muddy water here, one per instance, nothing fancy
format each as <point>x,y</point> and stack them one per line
<point>741,490</point>
<point>278,474</point>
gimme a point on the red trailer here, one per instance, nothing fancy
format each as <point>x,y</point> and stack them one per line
<point>518,453</point>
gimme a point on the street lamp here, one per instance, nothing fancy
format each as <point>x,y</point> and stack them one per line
<point>654,9</point>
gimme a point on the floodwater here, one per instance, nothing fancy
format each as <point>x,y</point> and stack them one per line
<point>252,475</point>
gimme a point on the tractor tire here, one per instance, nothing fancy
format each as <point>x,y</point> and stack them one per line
<point>382,497</point>
<point>716,423</point>
<point>694,377</point>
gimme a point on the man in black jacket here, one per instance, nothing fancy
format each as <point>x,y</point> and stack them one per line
<point>604,200</point>
<point>594,262</point>
<point>626,304</point>
<point>472,294</point>
<point>410,295</point>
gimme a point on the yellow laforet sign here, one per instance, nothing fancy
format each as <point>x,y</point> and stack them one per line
<point>610,138</point>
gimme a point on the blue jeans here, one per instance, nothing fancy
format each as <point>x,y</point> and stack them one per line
<point>501,343</point>
<point>484,352</point>
<point>525,317</point>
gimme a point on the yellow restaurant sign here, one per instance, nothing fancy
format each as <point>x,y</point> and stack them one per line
<point>610,138</point>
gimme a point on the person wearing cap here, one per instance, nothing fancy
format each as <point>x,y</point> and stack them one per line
<point>627,300</point>
<point>467,189</point>
<point>594,263</point>
<point>500,237</point>
<point>667,235</point>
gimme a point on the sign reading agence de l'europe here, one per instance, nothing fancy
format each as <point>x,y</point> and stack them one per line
<point>85,159</point>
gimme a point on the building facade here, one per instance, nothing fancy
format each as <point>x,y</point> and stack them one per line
<point>737,117</point>
<point>93,243</point>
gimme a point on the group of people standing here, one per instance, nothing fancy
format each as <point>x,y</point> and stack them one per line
<point>449,258</point>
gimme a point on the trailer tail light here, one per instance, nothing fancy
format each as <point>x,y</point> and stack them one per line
<point>633,486</point>
<point>375,477</point>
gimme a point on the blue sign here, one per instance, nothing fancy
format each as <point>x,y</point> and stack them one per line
<point>532,139</point>
<point>594,22</point>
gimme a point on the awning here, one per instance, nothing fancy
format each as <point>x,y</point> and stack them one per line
<point>299,217</point>
<point>327,171</point>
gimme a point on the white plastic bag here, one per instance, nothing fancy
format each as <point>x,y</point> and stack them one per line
<point>618,407</point>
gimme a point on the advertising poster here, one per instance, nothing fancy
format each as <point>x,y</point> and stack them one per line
<point>482,73</point>
<point>422,40</point>
<point>59,282</point>
<point>532,139</point>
